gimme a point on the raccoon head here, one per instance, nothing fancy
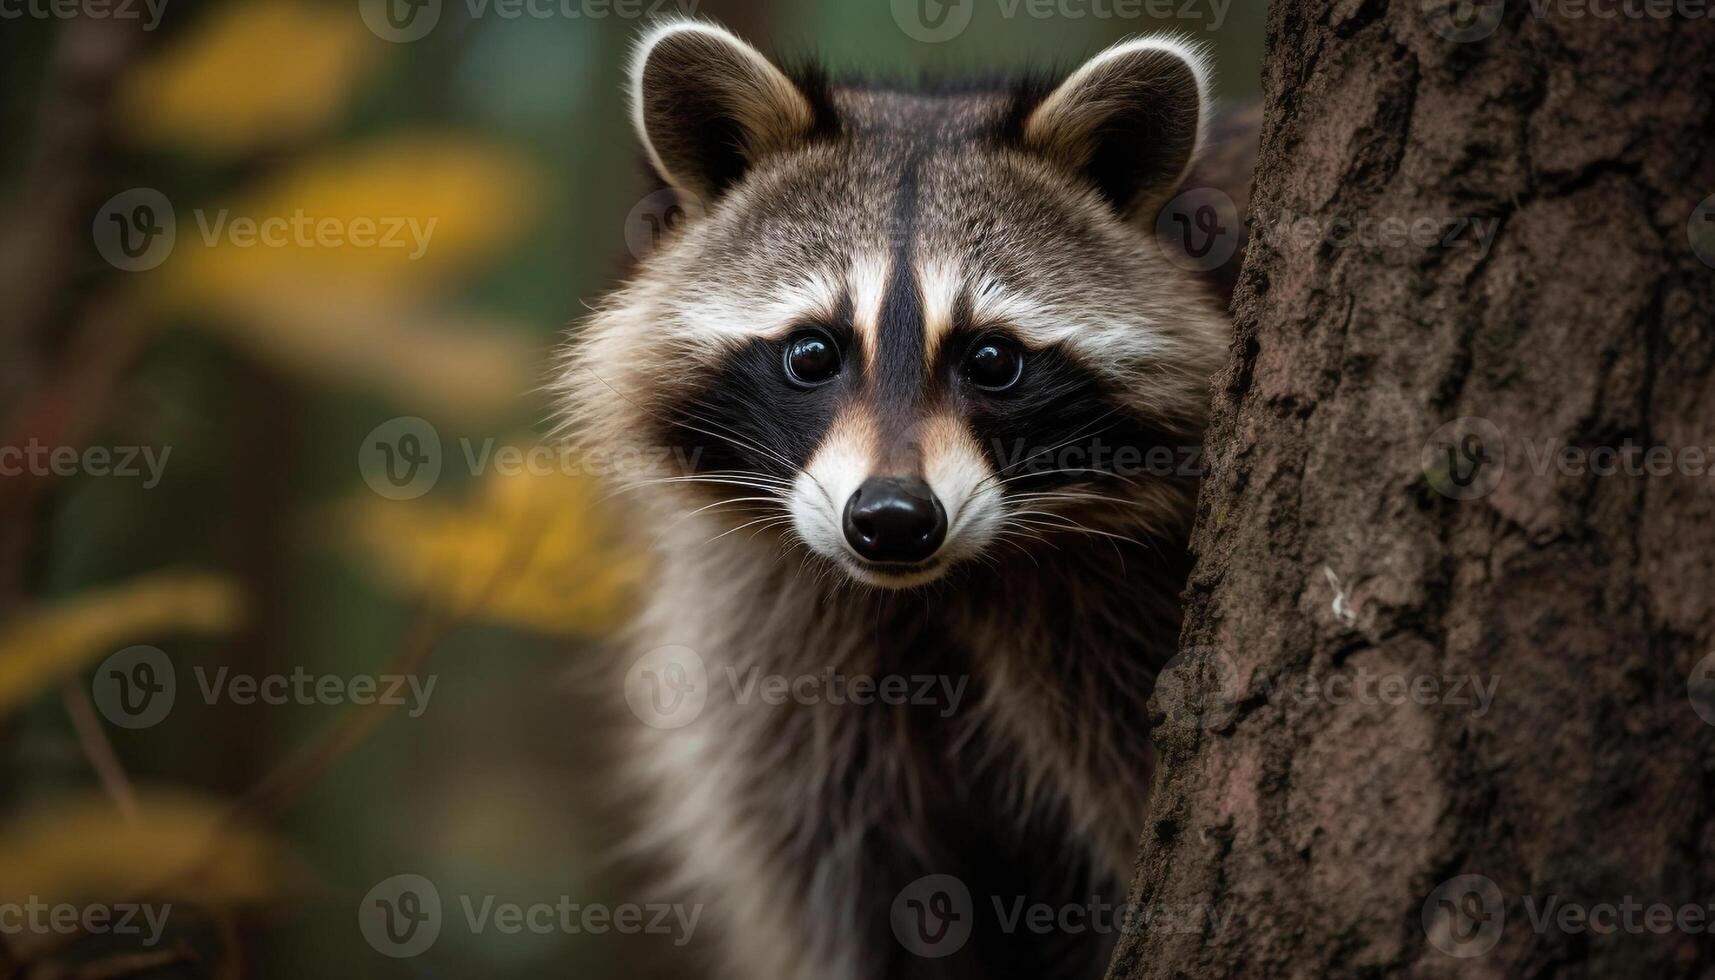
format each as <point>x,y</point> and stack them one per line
<point>910,326</point>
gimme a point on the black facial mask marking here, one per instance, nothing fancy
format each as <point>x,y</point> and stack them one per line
<point>750,417</point>
<point>1058,423</point>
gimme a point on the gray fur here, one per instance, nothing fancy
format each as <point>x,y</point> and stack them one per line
<point>798,824</point>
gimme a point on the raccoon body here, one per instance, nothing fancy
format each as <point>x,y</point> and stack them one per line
<point>934,390</point>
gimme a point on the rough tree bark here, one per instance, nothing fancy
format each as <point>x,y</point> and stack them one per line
<point>1302,827</point>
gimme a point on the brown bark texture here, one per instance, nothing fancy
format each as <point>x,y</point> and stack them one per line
<point>1437,467</point>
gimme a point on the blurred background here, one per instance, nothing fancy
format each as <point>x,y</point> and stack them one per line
<point>294,585</point>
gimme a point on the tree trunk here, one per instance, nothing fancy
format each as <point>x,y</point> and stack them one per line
<point>1337,795</point>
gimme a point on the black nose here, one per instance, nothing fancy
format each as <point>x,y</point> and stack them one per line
<point>895,519</point>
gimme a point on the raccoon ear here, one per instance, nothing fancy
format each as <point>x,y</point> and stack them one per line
<point>706,106</point>
<point>1130,120</point>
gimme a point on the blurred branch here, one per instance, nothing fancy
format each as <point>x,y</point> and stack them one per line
<point>98,750</point>
<point>294,775</point>
<point>271,794</point>
<point>48,219</point>
<point>62,408</point>
<point>300,770</point>
<point>425,633</point>
<point>41,238</point>
<point>41,241</point>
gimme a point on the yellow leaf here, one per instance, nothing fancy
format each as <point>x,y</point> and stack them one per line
<point>82,849</point>
<point>249,76</point>
<point>529,550</point>
<point>332,268</point>
<point>393,218</point>
<point>43,645</point>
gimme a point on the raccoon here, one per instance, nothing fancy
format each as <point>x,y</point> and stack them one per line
<point>905,340</point>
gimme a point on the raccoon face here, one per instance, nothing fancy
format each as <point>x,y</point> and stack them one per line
<point>913,326</point>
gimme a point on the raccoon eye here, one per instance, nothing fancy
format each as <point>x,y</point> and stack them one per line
<point>812,358</point>
<point>994,364</point>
